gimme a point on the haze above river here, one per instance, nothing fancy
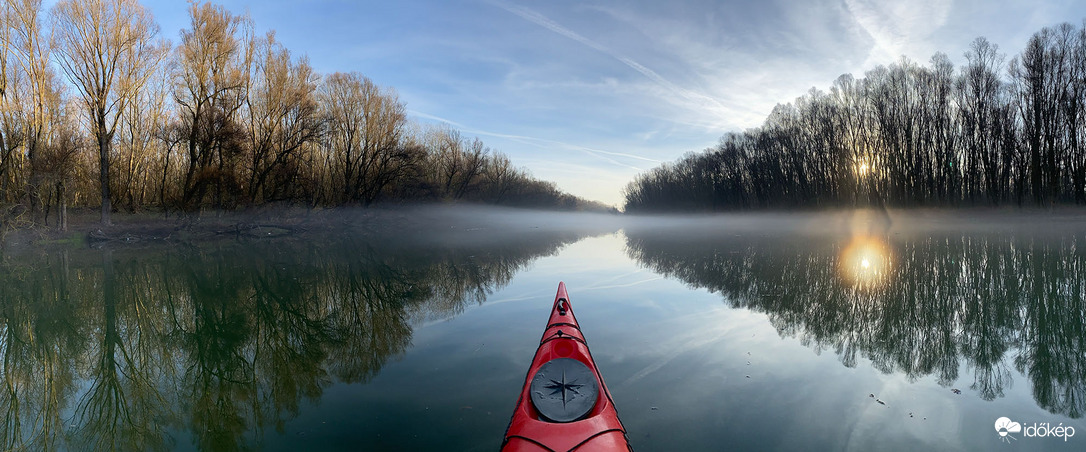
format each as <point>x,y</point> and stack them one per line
<point>835,331</point>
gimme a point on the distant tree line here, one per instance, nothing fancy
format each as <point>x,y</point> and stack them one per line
<point>225,119</point>
<point>904,135</point>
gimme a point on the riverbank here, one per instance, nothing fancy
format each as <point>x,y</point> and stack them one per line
<point>136,229</point>
<point>84,227</point>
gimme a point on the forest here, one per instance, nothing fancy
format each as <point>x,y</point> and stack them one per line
<point>991,133</point>
<point>99,109</point>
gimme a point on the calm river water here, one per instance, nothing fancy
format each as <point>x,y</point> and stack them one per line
<point>725,333</point>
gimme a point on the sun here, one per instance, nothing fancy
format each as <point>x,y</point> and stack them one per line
<point>864,167</point>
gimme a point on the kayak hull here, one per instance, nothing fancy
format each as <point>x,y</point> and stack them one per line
<point>598,430</point>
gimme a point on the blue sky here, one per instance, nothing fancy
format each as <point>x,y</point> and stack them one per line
<point>590,93</point>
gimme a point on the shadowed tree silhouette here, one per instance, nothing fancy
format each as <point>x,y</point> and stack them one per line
<point>904,135</point>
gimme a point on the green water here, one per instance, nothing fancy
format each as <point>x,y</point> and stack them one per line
<point>724,336</point>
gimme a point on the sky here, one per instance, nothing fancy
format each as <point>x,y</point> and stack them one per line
<point>589,93</point>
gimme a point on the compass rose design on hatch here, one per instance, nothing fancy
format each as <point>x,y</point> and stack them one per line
<point>568,390</point>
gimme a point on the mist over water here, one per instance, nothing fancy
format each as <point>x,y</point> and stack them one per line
<point>906,222</point>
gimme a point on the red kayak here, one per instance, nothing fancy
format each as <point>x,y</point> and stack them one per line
<point>564,405</point>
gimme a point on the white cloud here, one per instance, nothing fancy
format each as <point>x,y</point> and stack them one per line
<point>690,98</point>
<point>900,27</point>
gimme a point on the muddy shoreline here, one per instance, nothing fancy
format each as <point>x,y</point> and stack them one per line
<point>85,229</point>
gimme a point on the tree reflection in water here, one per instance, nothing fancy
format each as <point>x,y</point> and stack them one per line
<point>989,300</point>
<point>113,350</point>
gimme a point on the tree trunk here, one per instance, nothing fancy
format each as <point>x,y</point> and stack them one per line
<point>62,208</point>
<point>103,172</point>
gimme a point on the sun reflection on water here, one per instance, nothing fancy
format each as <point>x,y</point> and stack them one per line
<point>866,261</point>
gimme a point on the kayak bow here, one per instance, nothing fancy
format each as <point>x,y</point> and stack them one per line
<point>564,405</point>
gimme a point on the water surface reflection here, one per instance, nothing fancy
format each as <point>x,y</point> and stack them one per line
<point>153,349</point>
<point>917,305</point>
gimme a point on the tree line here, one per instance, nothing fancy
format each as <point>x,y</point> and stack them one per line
<point>990,133</point>
<point>98,109</point>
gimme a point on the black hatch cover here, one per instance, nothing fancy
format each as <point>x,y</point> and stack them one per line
<point>564,390</point>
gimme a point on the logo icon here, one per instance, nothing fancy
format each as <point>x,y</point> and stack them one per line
<point>1005,426</point>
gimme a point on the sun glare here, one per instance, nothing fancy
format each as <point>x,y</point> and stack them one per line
<point>865,262</point>
<point>862,168</point>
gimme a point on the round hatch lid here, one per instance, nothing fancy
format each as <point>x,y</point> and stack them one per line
<point>564,390</point>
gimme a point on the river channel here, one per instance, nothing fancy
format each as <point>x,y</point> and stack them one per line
<point>771,332</point>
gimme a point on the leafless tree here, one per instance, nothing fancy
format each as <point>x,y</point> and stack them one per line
<point>366,135</point>
<point>212,70</point>
<point>283,118</point>
<point>12,105</point>
<point>107,49</point>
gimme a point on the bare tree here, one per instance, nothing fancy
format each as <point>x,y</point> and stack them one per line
<point>457,161</point>
<point>140,150</point>
<point>500,176</point>
<point>282,117</point>
<point>107,49</point>
<point>32,51</point>
<point>979,91</point>
<point>365,135</point>
<point>59,163</point>
<point>213,61</point>
<point>12,129</point>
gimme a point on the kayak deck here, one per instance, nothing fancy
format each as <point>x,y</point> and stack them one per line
<point>572,408</point>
